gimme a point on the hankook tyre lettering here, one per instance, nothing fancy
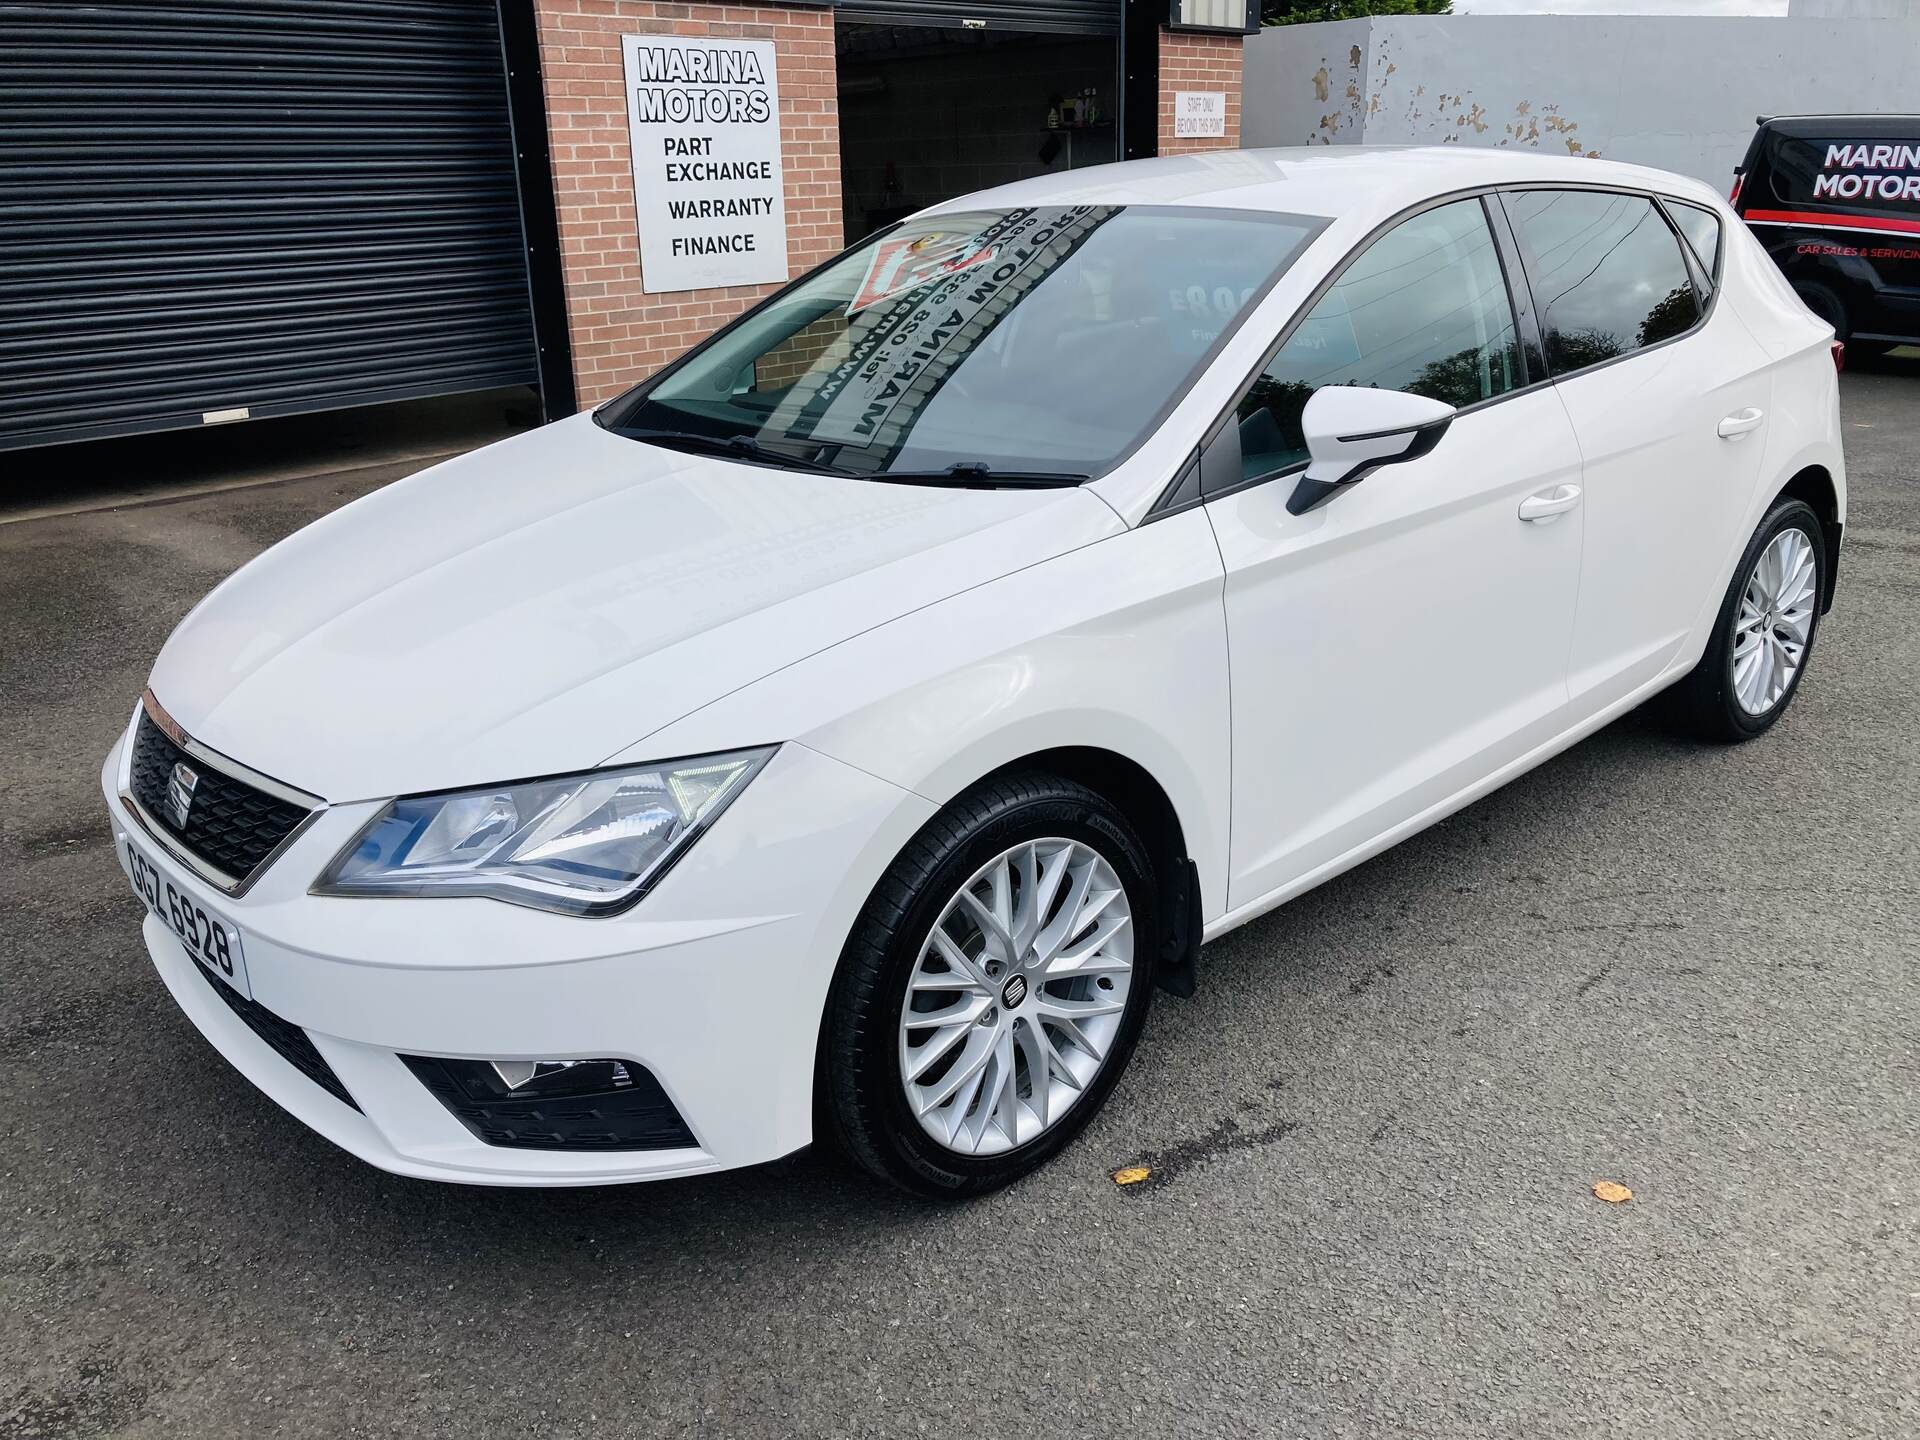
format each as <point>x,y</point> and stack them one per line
<point>842,734</point>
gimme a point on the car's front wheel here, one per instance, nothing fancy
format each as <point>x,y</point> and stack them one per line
<point>993,989</point>
<point>1763,636</point>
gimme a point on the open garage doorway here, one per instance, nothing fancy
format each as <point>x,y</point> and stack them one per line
<point>927,113</point>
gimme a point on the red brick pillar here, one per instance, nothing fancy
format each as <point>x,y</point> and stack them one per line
<point>1199,62</point>
<point>619,333</point>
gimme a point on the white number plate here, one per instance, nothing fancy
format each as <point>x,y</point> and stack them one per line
<point>207,937</point>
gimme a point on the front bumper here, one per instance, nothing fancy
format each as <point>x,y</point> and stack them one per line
<point>715,983</point>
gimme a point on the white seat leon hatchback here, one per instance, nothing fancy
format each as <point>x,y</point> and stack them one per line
<point>841,735</point>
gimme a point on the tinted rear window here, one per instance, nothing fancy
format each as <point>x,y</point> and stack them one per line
<point>1608,274</point>
<point>1702,229</point>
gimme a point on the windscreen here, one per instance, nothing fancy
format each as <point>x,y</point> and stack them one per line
<point>1044,340</point>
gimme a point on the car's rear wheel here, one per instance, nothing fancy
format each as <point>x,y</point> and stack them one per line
<point>993,988</point>
<point>1764,634</point>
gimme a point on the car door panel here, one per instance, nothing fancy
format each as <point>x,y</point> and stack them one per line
<point>1397,644</point>
<point>1664,490</point>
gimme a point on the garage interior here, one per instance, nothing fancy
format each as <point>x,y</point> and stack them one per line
<point>927,113</point>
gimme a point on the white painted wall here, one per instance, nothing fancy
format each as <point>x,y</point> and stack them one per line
<point>1855,9</point>
<point>1677,92</point>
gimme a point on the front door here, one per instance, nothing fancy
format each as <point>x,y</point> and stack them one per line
<point>1410,636</point>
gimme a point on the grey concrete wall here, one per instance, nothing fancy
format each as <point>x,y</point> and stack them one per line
<point>1677,92</point>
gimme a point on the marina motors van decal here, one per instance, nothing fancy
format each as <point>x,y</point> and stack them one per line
<point>1874,187</point>
<point>708,185</point>
<point>915,319</point>
<point>1870,172</point>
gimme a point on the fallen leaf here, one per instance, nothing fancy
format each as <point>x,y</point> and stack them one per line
<point>1131,1175</point>
<point>1611,1191</point>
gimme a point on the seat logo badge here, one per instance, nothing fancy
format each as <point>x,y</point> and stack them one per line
<point>180,790</point>
<point>1015,992</point>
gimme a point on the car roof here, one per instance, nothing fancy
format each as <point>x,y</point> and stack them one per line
<point>1810,127</point>
<point>1318,180</point>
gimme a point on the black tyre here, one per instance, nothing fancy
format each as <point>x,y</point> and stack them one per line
<point>1764,634</point>
<point>992,990</point>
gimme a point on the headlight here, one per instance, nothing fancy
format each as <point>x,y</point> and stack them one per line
<point>581,844</point>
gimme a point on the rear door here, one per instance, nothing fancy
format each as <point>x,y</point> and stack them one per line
<point>1398,644</point>
<point>1670,404</point>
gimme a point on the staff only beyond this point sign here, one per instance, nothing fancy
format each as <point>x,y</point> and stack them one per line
<point>704,119</point>
<point>1199,113</point>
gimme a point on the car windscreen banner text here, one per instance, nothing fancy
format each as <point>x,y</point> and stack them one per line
<point>896,356</point>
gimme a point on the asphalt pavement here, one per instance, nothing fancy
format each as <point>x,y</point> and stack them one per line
<point>1691,970</point>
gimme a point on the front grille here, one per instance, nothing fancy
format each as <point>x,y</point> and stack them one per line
<point>637,1116</point>
<point>230,825</point>
<point>287,1039</point>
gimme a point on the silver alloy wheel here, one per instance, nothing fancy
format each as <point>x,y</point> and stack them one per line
<point>1774,622</point>
<point>1017,996</point>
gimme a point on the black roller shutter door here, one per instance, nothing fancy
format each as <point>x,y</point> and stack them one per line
<point>1082,17</point>
<point>275,205</point>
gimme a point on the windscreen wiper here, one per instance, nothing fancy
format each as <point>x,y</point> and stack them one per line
<point>743,447</point>
<point>974,475</point>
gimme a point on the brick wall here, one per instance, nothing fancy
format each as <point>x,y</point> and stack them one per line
<point>1199,62</point>
<point>619,333</point>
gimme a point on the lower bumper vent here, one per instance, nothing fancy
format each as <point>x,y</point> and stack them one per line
<point>287,1039</point>
<point>632,1114</point>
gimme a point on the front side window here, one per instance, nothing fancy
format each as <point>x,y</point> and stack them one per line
<point>1423,309</point>
<point>1608,274</point>
<point>1038,343</point>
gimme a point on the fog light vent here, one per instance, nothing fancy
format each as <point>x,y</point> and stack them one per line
<point>561,1077</point>
<point>556,1104</point>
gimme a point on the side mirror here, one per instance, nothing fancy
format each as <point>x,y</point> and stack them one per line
<point>1352,431</point>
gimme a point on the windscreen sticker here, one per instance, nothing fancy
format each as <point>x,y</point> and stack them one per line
<point>900,265</point>
<point>891,364</point>
<point>1196,313</point>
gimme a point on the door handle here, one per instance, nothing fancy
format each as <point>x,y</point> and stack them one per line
<point>1739,423</point>
<point>1550,504</point>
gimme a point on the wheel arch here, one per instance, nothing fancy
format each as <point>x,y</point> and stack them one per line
<point>1814,485</point>
<point>1147,806</point>
<point>1139,796</point>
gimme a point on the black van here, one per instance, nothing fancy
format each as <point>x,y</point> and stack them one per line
<point>1836,201</point>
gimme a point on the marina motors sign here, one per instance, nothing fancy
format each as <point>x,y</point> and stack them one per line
<point>704,120</point>
<point>1869,172</point>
